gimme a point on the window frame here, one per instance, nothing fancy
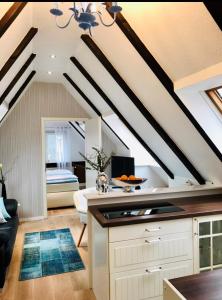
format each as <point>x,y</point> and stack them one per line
<point>215,97</point>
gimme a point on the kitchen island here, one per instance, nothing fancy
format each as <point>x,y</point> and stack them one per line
<point>131,254</point>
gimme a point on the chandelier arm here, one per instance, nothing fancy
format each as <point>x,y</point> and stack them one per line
<point>100,17</point>
<point>75,11</point>
<point>67,24</point>
<point>90,31</point>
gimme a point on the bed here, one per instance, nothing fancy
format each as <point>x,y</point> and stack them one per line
<point>61,185</point>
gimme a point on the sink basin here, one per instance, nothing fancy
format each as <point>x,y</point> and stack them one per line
<point>140,210</point>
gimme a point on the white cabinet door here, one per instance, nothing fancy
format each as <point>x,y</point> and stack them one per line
<point>160,249</point>
<point>207,243</point>
<point>146,283</point>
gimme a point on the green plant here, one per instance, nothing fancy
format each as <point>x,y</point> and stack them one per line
<point>98,161</point>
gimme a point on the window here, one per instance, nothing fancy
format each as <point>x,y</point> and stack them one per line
<point>51,147</point>
<point>215,96</point>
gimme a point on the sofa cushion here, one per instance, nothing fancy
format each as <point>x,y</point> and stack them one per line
<point>2,219</point>
<point>3,209</point>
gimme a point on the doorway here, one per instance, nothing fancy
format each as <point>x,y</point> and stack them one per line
<point>63,168</point>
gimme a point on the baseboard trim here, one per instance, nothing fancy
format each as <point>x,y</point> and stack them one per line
<point>38,218</point>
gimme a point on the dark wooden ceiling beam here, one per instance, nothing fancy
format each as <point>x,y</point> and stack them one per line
<point>143,110</point>
<point>121,117</point>
<point>10,16</point>
<point>18,51</point>
<point>21,89</point>
<point>215,9</point>
<point>89,102</point>
<point>110,128</point>
<point>18,94</point>
<point>162,75</point>
<point>77,123</point>
<point>76,129</point>
<point>17,77</point>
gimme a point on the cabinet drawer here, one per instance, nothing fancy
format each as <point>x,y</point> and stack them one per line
<point>127,255</point>
<point>146,283</point>
<point>137,231</point>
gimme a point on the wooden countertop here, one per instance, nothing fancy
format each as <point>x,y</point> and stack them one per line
<point>192,207</point>
<point>203,286</point>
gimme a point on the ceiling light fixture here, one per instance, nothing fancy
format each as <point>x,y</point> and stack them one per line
<point>50,72</point>
<point>52,56</point>
<point>85,14</point>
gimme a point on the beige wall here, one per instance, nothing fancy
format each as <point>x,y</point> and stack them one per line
<point>20,142</point>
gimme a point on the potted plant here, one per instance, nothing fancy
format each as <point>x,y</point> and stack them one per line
<point>99,162</point>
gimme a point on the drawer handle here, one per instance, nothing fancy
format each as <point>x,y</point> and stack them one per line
<point>153,270</point>
<point>153,241</point>
<point>152,229</point>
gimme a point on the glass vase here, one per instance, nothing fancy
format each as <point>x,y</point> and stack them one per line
<point>102,183</point>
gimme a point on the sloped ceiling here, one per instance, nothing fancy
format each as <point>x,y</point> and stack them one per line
<point>183,38</point>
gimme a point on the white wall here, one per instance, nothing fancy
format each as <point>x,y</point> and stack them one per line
<point>194,97</point>
<point>20,142</point>
<point>155,98</point>
<point>155,176</point>
<point>142,157</point>
<point>77,144</point>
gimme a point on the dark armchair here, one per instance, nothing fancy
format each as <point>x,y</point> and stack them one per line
<point>7,237</point>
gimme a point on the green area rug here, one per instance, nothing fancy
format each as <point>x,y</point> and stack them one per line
<point>49,253</point>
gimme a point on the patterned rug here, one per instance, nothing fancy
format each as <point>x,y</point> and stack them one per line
<point>49,253</point>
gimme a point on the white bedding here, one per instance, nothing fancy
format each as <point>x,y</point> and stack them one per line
<point>61,184</point>
<point>57,176</point>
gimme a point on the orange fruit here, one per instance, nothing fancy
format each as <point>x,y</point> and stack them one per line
<point>124,177</point>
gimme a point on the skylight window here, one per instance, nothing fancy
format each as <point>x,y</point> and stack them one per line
<point>215,96</point>
<point>219,91</point>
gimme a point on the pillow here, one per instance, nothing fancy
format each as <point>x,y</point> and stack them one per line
<point>3,209</point>
<point>2,219</point>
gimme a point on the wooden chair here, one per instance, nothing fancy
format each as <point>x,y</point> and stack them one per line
<point>81,205</point>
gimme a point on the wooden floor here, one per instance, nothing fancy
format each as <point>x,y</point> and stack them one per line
<point>67,286</point>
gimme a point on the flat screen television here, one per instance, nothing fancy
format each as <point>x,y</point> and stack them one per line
<point>122,165</point>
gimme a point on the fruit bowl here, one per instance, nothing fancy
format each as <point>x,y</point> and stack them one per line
<point>128,185</point>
